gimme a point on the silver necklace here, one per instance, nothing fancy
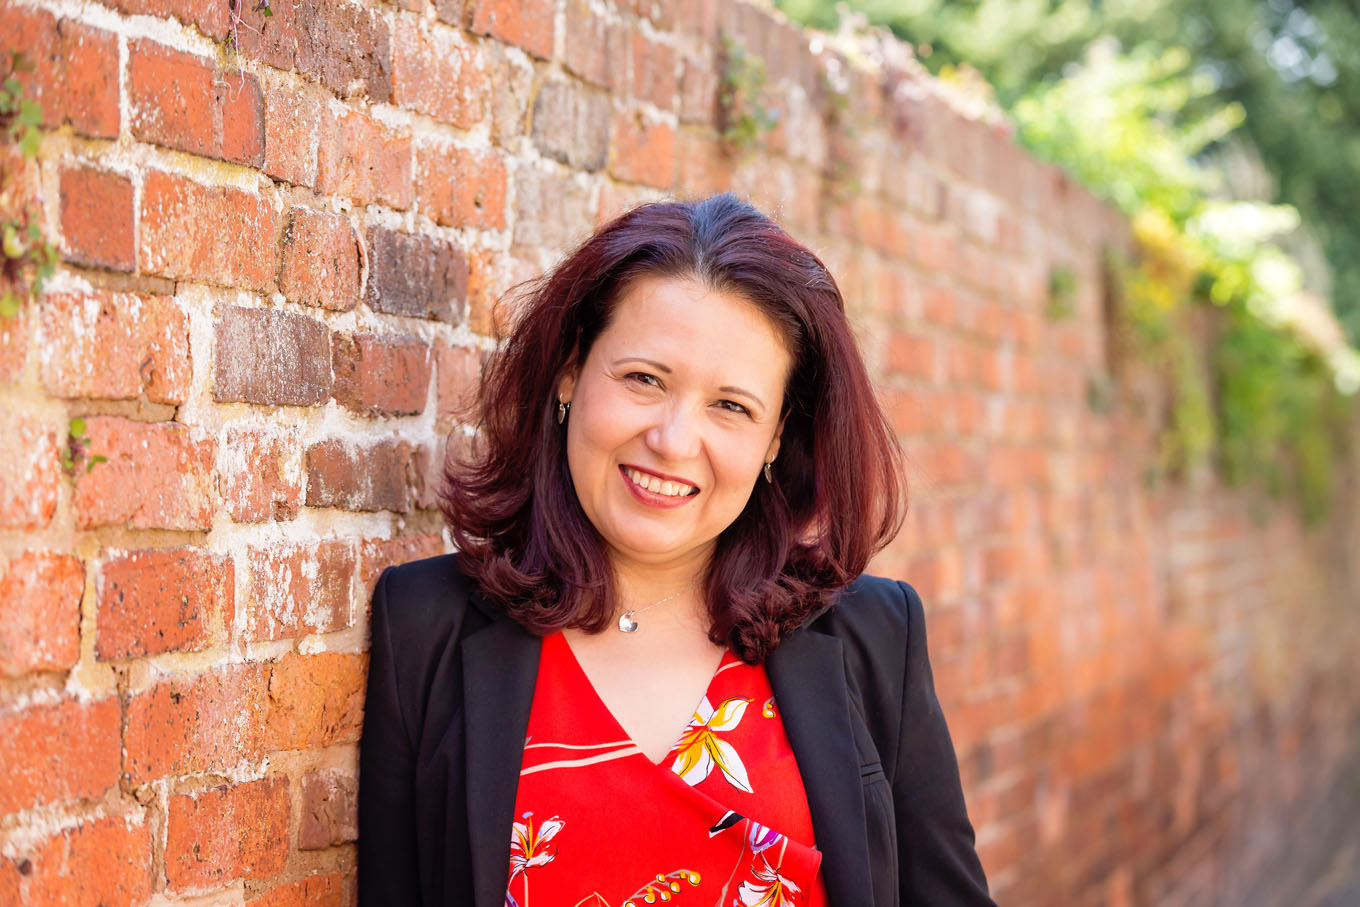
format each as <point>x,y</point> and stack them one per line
<point>627,624</point>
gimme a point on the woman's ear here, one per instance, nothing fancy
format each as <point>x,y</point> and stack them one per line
<point>773,450</point>
<point>566,385</point>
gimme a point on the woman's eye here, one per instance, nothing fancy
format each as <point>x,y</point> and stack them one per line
<point>644,378</point>
<point>733,407</point>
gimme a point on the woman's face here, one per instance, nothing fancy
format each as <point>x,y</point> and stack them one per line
<point>674,412</point>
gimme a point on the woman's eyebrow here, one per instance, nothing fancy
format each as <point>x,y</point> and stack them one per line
<point>665,369</point>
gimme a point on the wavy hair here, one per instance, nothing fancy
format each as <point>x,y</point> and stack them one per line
<point>837,497</point>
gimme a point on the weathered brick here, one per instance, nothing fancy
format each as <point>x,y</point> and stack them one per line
<point>313,891</point>
<point>427,474</point>
<point>211,18</point>
<point>524,23</point>
<point>273,39</point>
<point>379,374</point>
<point>419,276</point>
<point>596,49</point>
<point>348,47</point>
<point>363,160</point>
<point>96,218</point>
<point>75,68</point>
<point>437,74</point>
<point>40,596</point>
<point>315,700</point>
<point>58,753</point>
<point>292,131</point>
<point>199,724</point>
<point>168,600</point>
<point>459,371</point>
<point>115,346</point>
<point>698,91</point>
<point>571,124</point>
<point>180,100</point>
<point>269,356</point>
<point>653,71</point>
<point>13,347</point>
<point>512,88</point>
<point>376,555</point>
<point>330,810</point>
<point>157,477</point>
<point>552,211</point>
<point>261,477</point>
<point>300,589</point>
<point>644,151</point>
<point>105,861</point>
<point>216,836</point>
<point>371,478</point>
<point>208,234</point>
<point>461,187</point>
<point>702,168</point>
<point>30,473</point>
<point>322,260</point>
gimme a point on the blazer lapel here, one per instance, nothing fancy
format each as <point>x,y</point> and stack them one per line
<point>807,674</point>
<point>500,668</point>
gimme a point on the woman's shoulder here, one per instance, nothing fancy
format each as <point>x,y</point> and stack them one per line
<point>422,602</point>
<point>875,608</point>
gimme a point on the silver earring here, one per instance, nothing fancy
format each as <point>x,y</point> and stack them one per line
<point>562,411</point>
<point>768,476</point>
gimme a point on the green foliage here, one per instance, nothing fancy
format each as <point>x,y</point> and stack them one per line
<point>77,450</point>
<point>742,115</point>
<point>27,260</point>
<point>1266,407</point>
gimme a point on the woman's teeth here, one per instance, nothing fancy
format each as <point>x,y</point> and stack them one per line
<point>658,486</point>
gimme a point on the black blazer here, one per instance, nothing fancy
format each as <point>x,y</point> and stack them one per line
<point>449,688</point>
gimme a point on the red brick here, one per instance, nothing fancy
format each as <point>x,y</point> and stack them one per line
<point>75,68</point>
<point>30,474</point>
<point>169,600</point>
<point>571,124</point>
<point>40,596</point>
<point>376,477</point>
<point>261,477</point>
<point>416,276</point>
<point>348,47</point>
<point>58,753</point>
<point>427,468</point>
<point>698,91</point>
<point>912,355</point>
<point>364,161</point>
<point>300,589</point>
<point>211,18</point>
<point>202,724</point>
<point>653,70</point>
<point>381,374</point>
<point>273,39</point>
<point>459,373</point>
<point>313,891</point>
<point>269,356</point>
<point>315,700</point>
<point>157,477</point>
<point>330,810</point>
<point>9,882</point>
<point>207,234</point>
<point>596,49</point>
<point>644,152</point>
<point>461,187</point>
<point>115,346</point>
<point>437,74</point>
<point>105,861</point>
<point>702,168</point>
<point>377,555</point>
<point>524,23</point>
<point>552,211</point>
<point>96,219</point>
<point>180,100</point>
<point>216,836</point>
<point>292,126</point>
<point>322,260</point>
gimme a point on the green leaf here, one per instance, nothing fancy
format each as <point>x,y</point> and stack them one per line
<point>10,241</point>
<point>9,305</point>
<point>31,142</point>
<point>268,11</point>
<point>77,427</point>
<point>30,113</point>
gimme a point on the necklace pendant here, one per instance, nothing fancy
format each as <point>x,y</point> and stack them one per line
<point>626,622</point>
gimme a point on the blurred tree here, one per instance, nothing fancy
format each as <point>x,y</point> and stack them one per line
<point>1292,65</point>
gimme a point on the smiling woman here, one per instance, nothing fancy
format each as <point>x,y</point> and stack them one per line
<point>654,669</point>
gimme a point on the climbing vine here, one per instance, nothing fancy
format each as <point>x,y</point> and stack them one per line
<point>743,117</point>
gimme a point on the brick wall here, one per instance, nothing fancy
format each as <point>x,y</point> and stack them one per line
<point>279,264</point>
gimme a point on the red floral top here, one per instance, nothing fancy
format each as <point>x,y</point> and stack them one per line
<point>722,821</point>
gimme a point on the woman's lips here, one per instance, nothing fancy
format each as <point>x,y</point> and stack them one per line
<point>652,498</point>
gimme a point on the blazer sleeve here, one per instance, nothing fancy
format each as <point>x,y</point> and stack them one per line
<point>937,860</point>
<point>387,846</point>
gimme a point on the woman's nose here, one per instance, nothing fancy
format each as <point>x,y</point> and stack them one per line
<point>675,436</point>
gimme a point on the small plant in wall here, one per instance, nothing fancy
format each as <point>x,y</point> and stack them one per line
<point>237,20</point>
<point>27,260</point>
<point>76,453</point>
<point>742,115</point>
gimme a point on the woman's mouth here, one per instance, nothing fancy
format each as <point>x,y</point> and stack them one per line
<point>656,490</point>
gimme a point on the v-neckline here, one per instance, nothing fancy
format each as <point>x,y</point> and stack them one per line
<point>727,660</point>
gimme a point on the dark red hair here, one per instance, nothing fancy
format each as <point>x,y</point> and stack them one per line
<point>837,496</point>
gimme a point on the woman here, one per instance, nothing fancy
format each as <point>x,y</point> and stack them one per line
<point>680,474</point>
